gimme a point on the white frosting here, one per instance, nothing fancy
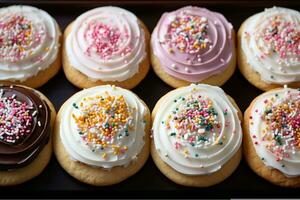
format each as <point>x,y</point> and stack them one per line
<point>289,164</point>
<point>38,54</point>
<point>204,157</point>
<point>80,151</point>
<point>126,53</point>
<point>259,54</point>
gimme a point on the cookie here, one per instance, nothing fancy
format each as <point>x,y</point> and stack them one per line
<point>193,45</point>
<point>25,142</point>
<point>102,135</point>
<point>197,135</point>
<point>106,45</point>
<point>268,48</point>
<point>271,136</point>
<point>30,46</point>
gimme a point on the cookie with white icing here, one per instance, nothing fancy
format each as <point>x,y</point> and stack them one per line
<point>269,48</point>
<point>102,135</point>
<point>106,45</point>
<point>272,136</point>
<point>29,46</point>
<point>197,135</point>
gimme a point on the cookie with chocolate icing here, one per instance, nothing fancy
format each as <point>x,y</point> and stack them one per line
<point>26,121</point>
<point>193,45</point>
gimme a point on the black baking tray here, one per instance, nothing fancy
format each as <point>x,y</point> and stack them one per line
<point>149,182</point>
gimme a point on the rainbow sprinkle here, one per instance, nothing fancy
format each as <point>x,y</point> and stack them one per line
<point>283,38</point>
<point>15,119</point>
<point>281,135</point>
<point>17,37</point>
<point>188,34</point>
<point>102,122</point>
<point>194,123</point>
<point>106,40</point>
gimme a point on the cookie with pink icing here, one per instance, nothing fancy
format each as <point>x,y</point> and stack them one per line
<point>193,44</point>
<point>106,45</point>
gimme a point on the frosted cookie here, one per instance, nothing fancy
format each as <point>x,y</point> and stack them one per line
<point>191,45</point>
<point>272,136</point>
<point>29,46</point>
<point>26,121</point>
<point>197,135</point>
<point>106,45</point>
<point>269,48</point>
<point>102,135</point>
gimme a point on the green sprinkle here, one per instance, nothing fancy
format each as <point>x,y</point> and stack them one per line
<point>278,139</point>
<point>196,155</point>
<point>75,106</point>
<point>262,158</point>
<point>220,143</point>
<point>172,134</point>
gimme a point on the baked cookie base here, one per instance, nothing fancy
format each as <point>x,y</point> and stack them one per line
<point>21,175</point>
<point>195,180</point>
<point>249,73</point>
<point>82,81</point>
<point>256,164</point>
<point>98,176</point>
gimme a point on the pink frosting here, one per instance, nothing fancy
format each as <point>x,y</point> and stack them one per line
<point>189,63</point>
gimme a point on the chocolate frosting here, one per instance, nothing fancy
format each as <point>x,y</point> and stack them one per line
<point>22,150</point>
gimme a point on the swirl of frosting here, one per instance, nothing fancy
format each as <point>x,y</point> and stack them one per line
<point>274,126</point>
<point>24,126</point>
<point>29,42</point>
<point>106,43</point>
<point>271,44</point>
<point>193,43</point>
<point>196,129</point>
<point>103,126</point>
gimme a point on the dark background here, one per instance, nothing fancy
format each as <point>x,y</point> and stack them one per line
<point>149,182</point>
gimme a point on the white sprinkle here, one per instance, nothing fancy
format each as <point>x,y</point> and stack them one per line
<point>173,66</point>
<point>13,96</point>
<point>39,123</point>
<point>186,69</point>
<point>40,106</point>
<point>222,60</point>
<point>11,86</point>
<point>34,113</point>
